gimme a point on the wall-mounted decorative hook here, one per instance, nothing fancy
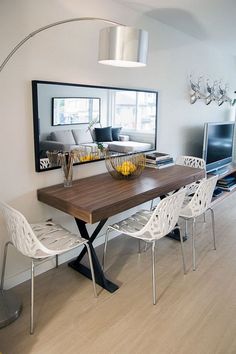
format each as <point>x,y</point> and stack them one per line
<point>209,92</point>
<point>195,93</point>
<point>212,90</point>
<point>223,95</point>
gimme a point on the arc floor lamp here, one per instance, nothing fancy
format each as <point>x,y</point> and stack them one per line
<point>119,45</point>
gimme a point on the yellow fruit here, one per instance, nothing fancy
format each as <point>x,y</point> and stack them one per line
<point>125,172</point>
<point>118,168</point>
<point>86,158</point>
<point>127,168</point>
<point>132,167</point>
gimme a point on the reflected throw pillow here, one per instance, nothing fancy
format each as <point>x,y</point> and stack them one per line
<point>115,133</point>
<point>82,136</point>
<point>63,136</point>
<point>103,134</point>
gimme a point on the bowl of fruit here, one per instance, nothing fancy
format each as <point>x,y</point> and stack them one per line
<point>122,166</point>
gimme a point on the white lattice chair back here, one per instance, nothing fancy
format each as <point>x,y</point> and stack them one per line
<point>191,161</point>
<point>195,162</point>
<point>165,216</point>
<point>21,233</point>
<point>201,200</point>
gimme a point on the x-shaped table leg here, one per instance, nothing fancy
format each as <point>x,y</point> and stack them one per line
<point>76,264</point>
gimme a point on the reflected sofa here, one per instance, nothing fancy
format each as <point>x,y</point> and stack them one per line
<point>67,140</point>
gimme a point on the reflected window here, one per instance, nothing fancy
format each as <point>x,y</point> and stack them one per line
<point>134,110</point>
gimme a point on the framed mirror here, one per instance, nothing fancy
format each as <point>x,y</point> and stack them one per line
<point>91,119</point>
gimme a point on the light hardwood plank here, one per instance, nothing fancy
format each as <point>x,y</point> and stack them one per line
<point>195,313</point>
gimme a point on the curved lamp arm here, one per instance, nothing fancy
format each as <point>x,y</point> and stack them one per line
<point>58,23</point>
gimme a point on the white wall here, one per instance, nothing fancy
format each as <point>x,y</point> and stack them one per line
<point>68,54</point>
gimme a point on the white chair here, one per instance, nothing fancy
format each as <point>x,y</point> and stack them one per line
<point>38,241</point>
<point>198,205</point>
<point>195,162</point>
<point>150,226</point>
<point>190,161</point>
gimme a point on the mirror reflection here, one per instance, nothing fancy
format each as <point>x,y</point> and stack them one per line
<point>91,119</point>
<point>75,110</point>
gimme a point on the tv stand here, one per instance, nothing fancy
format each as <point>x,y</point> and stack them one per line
<point>217,192</point>
<point>230,170</point>
<point>221,171</point>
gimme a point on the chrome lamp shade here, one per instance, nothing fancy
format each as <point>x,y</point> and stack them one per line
<point>123,46</point>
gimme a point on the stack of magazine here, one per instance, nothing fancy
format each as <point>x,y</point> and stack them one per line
<point>228,183</point>
<point>158,160</point>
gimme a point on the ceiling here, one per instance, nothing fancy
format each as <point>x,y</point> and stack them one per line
<point>212,21</point>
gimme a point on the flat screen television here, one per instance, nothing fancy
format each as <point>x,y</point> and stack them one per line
<point>218,145</point>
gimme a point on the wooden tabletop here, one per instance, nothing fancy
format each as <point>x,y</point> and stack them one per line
<point>92,199</point>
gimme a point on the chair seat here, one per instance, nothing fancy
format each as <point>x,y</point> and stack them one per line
<point>134,223</point>
<point>186,212</point>
<point>55,238</point>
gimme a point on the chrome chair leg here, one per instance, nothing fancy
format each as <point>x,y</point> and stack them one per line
<point>145,248</point>
<point>105,249</point>
<point>4,263</point>
<point>182,251</point>
<point>91,268</point>
<point>32,299</point>
<point>204,218</point>
<point>153,274</point>
<point>193,245</point>
<point>213,227</point>
<point>186,228</point>
<point>57,263</point>
<point>152,203</point>
<point>139,246</point>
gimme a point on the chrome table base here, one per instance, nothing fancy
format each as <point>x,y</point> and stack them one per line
<point>10,307</point>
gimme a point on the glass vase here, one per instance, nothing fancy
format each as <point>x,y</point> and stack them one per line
<point>67,168</point>
<point>68,178</point>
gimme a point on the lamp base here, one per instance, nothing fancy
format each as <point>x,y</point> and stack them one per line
<point>10,307</point>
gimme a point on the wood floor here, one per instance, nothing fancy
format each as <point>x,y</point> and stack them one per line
<point>195,314</point>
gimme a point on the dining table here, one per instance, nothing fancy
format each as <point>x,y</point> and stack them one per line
<point>94,199</point>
